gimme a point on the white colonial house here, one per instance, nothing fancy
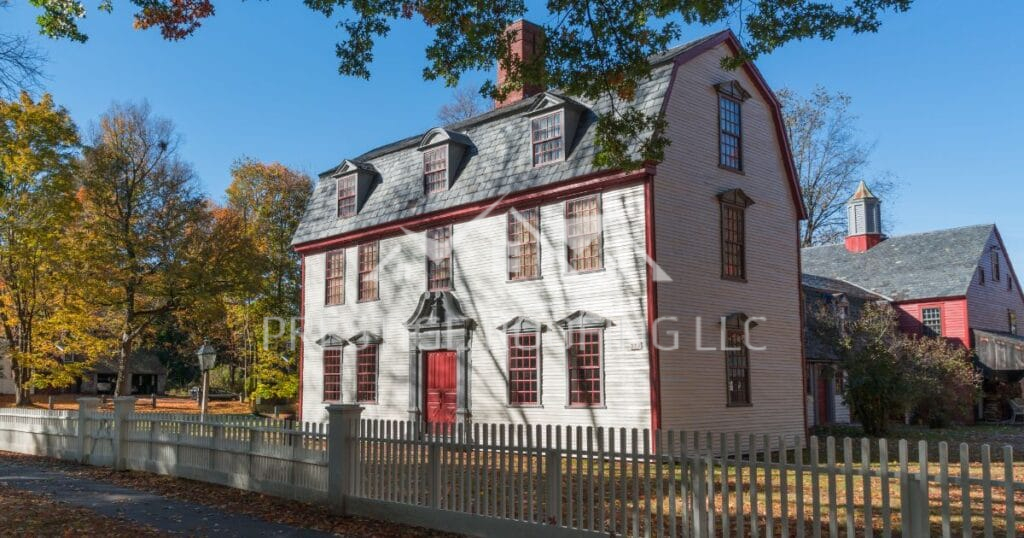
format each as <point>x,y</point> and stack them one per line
<point>488,271</point>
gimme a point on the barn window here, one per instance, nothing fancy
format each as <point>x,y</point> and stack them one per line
<point>523,369</point>
<point>584,234</point>
<point>981,276</point>
<point>332,374</point>
<point>524,244</point>
<point>737,362</point>
<point>439,259</point>
<point>366,373</point>
<point>585,372</point>
<point>335,278</point>
<point>435,170</point>
<point>1012,319</point>
<point>369,257</point>
<point>546,138</point>
<point>730,126</point>
<point>1009,283</point>
<point>996,272</point>
<point>931,318</point>
<point>347,196</point>
<point>733,233</point>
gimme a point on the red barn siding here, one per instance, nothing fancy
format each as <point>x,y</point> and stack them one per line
<point>955,324</point>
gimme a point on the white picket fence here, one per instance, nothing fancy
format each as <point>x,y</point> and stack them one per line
<point>510,480</point>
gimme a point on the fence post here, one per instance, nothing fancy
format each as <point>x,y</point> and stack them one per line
<point>123,406</point>
<point>553,467</point>
<point>915,506</point>
<point>86,407</point>
<point>434,463</point>
<point>342,454</point>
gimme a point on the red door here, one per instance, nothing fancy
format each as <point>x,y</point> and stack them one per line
<point>440,387</point>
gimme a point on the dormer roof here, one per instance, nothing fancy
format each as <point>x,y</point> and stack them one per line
<point>439,135</point>
<point>348,166</point>
<point>547,101</point>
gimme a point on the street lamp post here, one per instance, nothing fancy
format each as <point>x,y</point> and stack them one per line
<point>207,358</point>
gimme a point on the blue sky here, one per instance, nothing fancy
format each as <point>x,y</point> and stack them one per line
<point>935,90</point>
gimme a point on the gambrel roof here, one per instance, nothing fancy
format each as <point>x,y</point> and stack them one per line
<point>498,160</point>
<point>909,267</point>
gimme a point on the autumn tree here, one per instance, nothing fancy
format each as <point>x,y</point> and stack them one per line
<point>38,150</point>
<point>270,199</point>
<point>147,243</point>
<point>830,159</point>
<point>592,49</point>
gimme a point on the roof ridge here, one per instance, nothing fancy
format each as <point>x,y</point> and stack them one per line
<point>942,230</point>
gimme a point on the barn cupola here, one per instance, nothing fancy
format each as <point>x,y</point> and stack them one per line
<point>864,215</point>
<point>527,42</point>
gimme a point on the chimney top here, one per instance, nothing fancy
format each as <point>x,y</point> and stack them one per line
<point>526,46</point>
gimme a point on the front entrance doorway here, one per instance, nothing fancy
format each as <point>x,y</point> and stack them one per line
<point>440,394</point>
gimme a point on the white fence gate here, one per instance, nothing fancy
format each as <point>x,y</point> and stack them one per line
<point>510,480</point>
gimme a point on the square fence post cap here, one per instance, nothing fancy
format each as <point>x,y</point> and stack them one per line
<point>344,408</point>
<point>88,402</point>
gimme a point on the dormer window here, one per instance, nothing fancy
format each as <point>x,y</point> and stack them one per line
<point>547,138</point>
<point>443,153</point>
<point>435,170</point>
<point>347,196</point>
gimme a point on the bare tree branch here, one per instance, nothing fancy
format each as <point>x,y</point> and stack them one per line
<point>21,64</point>
<point>467,103</point>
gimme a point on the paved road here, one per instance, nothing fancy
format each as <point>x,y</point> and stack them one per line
<point>161,513</point>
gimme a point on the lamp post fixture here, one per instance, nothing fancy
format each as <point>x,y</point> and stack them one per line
<point>207,358</point>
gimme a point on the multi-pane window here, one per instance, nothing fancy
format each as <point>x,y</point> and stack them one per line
<point>585,374</point>
<point>996,272</point>
<point>734,259</point>
<point>439,259</point>
<point>334,282</point>
<point>524,244</point>
<point>1011,316</point>
<point>547,138</point>
<point>737,367</point>
<point>583,234</point>
<point>366,373</point>
<point>347,196</point>
<point>369,257</point>
<point>435,170</point>
<point>931,318</point>
<point>523,369</point>
<point>730,134</point>
<point>734,204</point>
<point>332,374</point>
<point>981,276</point>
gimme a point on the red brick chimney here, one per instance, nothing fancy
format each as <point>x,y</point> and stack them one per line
<point>528,38</point>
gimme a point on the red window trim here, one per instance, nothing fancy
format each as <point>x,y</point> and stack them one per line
<point>514,220</point>
<point>328,277</point>
<point>365,273</point>
<point>571,366</point>
<point>363,379</point>
<point>600,234</point>
<point>332,354</point>
<point>512,342</point>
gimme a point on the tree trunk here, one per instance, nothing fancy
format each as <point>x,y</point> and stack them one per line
<point>21,395</point>
<point>123,385</point>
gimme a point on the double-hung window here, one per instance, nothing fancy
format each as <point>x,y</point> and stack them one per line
<point>334,281</point>
<point>547,138</point>
<point>332,374</point>
<point>366,373</point>
<point>730,125</point>
<point>733,233</point>
<point>435,170</point>
<point>523,368</point>
<point>439,259</point>
<point>524,244</point>
<point>737,363</point>
<point>347,196</point>
<point>369,278</point>
<point>586,352</point>
<point>931,319</point>
<point>584,234</point>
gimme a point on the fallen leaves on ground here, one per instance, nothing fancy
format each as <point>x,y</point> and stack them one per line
<point>273,509</point>
<point>30,515</point>
<point>144,404</point>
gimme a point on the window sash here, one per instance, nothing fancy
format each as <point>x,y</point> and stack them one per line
<point>332,374</point>
<point>996,270</point>
<point>334,278</point>
<point>439,259</point>
<point>931,319</point>
<point>737,368</point>
<point>584,234</point>
<point>369,280</point>
<point>366,373</point>
<point>585,367</point>
<point>734,232</point>
<point>435,170</point>
<point>347,196</point>
<point>1012,321</point>
<point>523,369</point>
<point>524,244</point>
<point>546,138</point>
<point>730,133</point>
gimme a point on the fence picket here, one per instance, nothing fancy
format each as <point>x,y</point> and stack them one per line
<point>965,490</point>
<point>635,483</point>
<point>986,486</point>
<point>815,489</point>
<point>848,483</point>
<point>800,515</point>
<point>647,481</point>
<point>865,470</point>
<point>830,461</point>
<point>1009,497</point>
<point>784,484</point>
<point>769,529</point>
